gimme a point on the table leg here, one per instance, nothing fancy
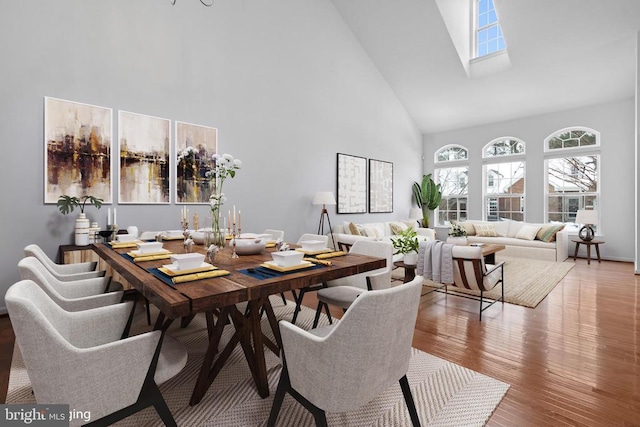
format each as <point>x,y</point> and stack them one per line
<point>409,274</point>
<point>575,254</point>
<point>588,254</point>
<point>597,245</point>
<point>258,347</point>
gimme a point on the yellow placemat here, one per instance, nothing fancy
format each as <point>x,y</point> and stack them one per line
<point>151,257</point>
<point>270,245</point>
<point>138,255</point>
<point>273,266</point>
<point>317,261</point>
<point>173,273</point>
<point>315,252</point>
<point>199,276</point>
<point>331,254</point>
<point>121,245</point>
<point>172,237</point>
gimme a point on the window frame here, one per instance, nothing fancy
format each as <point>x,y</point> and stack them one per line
<point>477,29</point>
<point>488,160</point>
<point>567,152</point>
<point>450,164</point>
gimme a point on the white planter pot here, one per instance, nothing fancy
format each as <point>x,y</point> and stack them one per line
<point>411,258</point>
<point>82,230</point>
<point>461,241</point>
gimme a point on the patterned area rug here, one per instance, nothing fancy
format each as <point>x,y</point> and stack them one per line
<point>526,281</point>
<point>445,393</point>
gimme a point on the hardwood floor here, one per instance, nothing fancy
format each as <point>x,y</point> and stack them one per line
<point>573,360</point>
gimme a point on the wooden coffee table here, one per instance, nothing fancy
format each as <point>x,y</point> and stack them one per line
<point>489,251</point>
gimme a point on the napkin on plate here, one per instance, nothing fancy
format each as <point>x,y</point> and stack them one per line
<point>317,261</point>
<point>331,254</point>
<point>151,257</point>
<point>120,245</point>
<point>198,276</point>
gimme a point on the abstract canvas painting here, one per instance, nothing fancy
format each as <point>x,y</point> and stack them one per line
<point>380,186</point>
<point>144,144</point>
<point>195,145</point>
<point>352,184</point>
<point>77,144</point>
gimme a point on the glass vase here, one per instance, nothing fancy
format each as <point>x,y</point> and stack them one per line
<point>218,236</point>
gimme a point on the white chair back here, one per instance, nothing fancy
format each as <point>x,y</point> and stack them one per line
<point>75,271</point>
<point>361,356</point>
<point>307,236</point>
<point>381,278</point>
<point>275,234</point>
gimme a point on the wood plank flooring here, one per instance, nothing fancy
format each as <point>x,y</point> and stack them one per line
<point>573,360</point>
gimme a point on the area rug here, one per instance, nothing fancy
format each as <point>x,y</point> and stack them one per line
<point>445,393</point>
<point>526,281</point>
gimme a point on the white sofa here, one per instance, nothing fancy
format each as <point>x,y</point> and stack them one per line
<point>518,241</point>
<point>377,231</point>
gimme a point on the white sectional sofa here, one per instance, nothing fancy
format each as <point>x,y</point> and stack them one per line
<point>344,233</point>
<point>547,242</point>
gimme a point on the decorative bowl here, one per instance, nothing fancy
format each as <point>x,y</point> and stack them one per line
<point>149,247</point>
<point>313,245</point>
<point>287,258</point>
<point>187,261</point>
<point>251,246</point>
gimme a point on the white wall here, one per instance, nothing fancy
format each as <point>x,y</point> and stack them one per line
<point>616,123</point>
<point>284,81</point>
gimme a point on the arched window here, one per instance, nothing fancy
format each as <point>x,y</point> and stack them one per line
<point>454,179</point>
<point>572,173</point>
<point>504,179</point>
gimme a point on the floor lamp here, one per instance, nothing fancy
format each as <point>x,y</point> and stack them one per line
<point>325,198</point>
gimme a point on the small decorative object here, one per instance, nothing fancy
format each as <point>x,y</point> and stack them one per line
<point>66,204</point>
<point>457,234</point>
<point>281,245</point>
<point>222,167</point>
<point>212,250</point>
<point>406,243</point>
<point>188,245</point>
<point>427,196</point>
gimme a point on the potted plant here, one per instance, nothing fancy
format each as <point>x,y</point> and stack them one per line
<point>406,243</point>
<point>428,196</point>
<point>457,234</point>
<point>66,204</point>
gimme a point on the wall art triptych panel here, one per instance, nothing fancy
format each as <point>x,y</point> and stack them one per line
<point>77,144</point>
<point>144,147</point>
<point>195,145</point>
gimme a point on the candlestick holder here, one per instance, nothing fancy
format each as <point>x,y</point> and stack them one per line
<point>185,226</point>
<point>233,236</point>
<point>114,230</point>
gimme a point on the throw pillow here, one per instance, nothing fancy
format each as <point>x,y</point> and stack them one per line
<point>346,229</point>
<point>547,232</point>
<point>468,227</point>
<point>485,230</point>
<point>366,231</point>
<point>397,227</point>
<point>354,229</point>
<point>528,232</point>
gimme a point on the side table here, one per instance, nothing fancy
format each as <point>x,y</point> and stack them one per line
<point>409,270</point>
<point>588,244</point>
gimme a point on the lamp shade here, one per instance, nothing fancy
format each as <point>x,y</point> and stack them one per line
<point>415,213</point>
<point>587,217</point>
<point>324,198</point>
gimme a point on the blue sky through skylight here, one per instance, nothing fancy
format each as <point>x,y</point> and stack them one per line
<point>489,37</point>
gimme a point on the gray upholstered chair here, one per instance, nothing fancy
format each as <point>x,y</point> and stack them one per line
<point>81,359</point>
<point>343,292</point>
<point>64,272</point>
<point>471,273</point>
<point>70,295</point>
<point>297,296</point>
<point>354,360</point>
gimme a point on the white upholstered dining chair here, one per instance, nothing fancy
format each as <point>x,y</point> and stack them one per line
<point>64,272</point>
<point>70,295</point>
<point>354,360</point>
<point>344,291</point>
<point>83,360</point>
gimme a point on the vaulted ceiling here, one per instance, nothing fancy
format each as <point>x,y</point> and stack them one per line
<point>564,54</point>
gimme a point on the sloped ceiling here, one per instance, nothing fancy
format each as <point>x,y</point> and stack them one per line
<point>564,54</point>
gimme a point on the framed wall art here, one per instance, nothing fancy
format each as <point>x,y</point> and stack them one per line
<point>352,184</point>
<point>143,144</point>
<point>380,186</point>
<point>195,145</point>
<point>77,145</point>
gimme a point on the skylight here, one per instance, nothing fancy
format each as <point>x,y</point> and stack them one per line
<point>489,37</point>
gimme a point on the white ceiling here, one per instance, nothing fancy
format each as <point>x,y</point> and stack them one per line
<point>564,54</point>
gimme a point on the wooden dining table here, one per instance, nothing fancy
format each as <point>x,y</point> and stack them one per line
<point>217,298</point>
